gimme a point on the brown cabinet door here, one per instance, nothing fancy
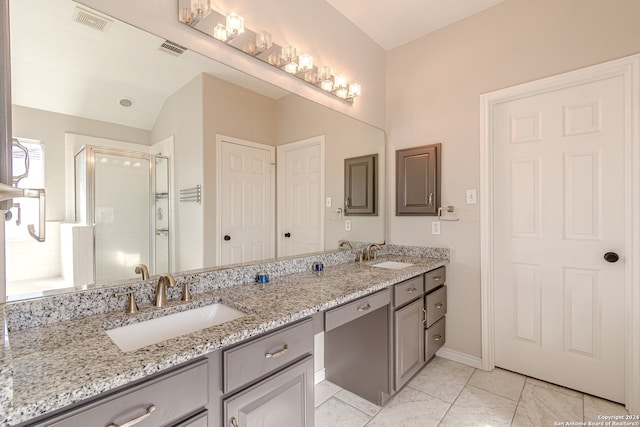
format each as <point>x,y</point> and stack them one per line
<point>418,180</point>
<point>361,185</point>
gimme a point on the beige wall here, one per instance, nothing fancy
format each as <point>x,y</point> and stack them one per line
<point>182,117</point>
<point>50,128</point>
<point>233,111</point>
<point>345,137</point>
<point>433,90</point>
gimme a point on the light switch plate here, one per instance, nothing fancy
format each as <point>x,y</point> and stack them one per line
<point>435,227</point>
<point>347,225</point>
<point>328,202</point>
<point>472,197</point>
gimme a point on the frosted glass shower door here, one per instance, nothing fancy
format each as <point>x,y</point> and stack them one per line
<point>122,188</point>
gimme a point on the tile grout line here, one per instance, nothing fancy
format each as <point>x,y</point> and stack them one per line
<point>457,396</point>
<point>513,417</point>
<point>356,408</point>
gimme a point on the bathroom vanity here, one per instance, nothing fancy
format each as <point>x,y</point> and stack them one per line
<point>66,372</point>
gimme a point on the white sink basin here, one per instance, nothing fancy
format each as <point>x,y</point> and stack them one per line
<point>142,334</point>
<point>393,265</point>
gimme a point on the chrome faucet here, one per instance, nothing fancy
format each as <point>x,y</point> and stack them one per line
<point>370,253</point>
<point>161,289</point>
<point>345,243</point>
<point>143,270</point>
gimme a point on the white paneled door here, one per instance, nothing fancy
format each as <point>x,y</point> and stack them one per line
<point>300,200</point>
<point>247,201</point>
<point>559,207</point>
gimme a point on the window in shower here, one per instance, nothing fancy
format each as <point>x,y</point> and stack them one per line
<point>26,210</point>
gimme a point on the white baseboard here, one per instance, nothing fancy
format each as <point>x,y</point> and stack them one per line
<point>456,356</point>
<point>319,376</point>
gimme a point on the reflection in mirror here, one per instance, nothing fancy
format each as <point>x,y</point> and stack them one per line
<point>152,112</point>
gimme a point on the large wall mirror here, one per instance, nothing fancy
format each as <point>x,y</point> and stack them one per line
<point>153,154</point>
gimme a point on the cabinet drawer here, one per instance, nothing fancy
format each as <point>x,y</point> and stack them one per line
<point>434,278</point>
<point>436,305</point>
<point>250,361</point>
<point>408,290</point>
<point>360,307</point>
<point>200,420</point>
<point>188,383</point>
<point>434,338</point>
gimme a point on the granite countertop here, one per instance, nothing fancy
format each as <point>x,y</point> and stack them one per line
<point>45,368</point>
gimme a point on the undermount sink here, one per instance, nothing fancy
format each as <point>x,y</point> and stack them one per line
<point>141,334</point>
<point>393,265</point>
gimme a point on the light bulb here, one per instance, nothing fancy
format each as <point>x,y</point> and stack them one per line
<point>324,72</point>
<point>291,68</point>
<point>305,62</point>
<point>235,24</point>
<point>220,32</point>
<point>327,85</point>
<point>288,53</point>
<point>342,93</point>
<point>354,90</point>
<point>340,81</point>
<point>200,8</point>
<point>249,48</point>
<point>263,40</point>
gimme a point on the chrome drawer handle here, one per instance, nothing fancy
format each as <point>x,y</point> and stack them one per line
<point>411,290</point>
<point>437,337</point>
<point>439,305</point>
<point>278,353</point>
<point>234,422</point>
<point>364,307</point>
<point>136,420</point>
<point>437,278</point>
<point>424,320</point>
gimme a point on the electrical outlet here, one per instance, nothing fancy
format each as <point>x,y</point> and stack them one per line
<point>435,227</point>
<point>328,202</point>
<point>347,225</point>
<point>472,197</point>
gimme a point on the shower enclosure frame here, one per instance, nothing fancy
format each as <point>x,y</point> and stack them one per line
<point>90,192</point>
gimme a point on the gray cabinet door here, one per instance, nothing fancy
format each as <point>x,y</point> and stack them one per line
<point>361,185</point>
<point>283,399</point>
<point>408,342</point>
<point>418,180</point>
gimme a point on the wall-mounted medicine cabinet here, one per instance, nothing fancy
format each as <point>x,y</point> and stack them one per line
<point>418,180</point>
<point>361,185</point>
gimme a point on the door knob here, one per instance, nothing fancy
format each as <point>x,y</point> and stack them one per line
<point>287,234</point>
<point>227,237</point>
<point>611,257</point>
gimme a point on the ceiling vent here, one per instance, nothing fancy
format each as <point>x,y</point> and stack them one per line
<point>91,19</point>
<point>172,48</point>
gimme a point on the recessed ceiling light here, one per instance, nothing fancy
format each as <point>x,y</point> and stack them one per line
<point>126,102</point>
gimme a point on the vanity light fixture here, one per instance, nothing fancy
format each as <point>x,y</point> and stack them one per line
<point>230,30</point>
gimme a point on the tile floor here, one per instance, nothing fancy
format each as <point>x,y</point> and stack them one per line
<point>447,393</point>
